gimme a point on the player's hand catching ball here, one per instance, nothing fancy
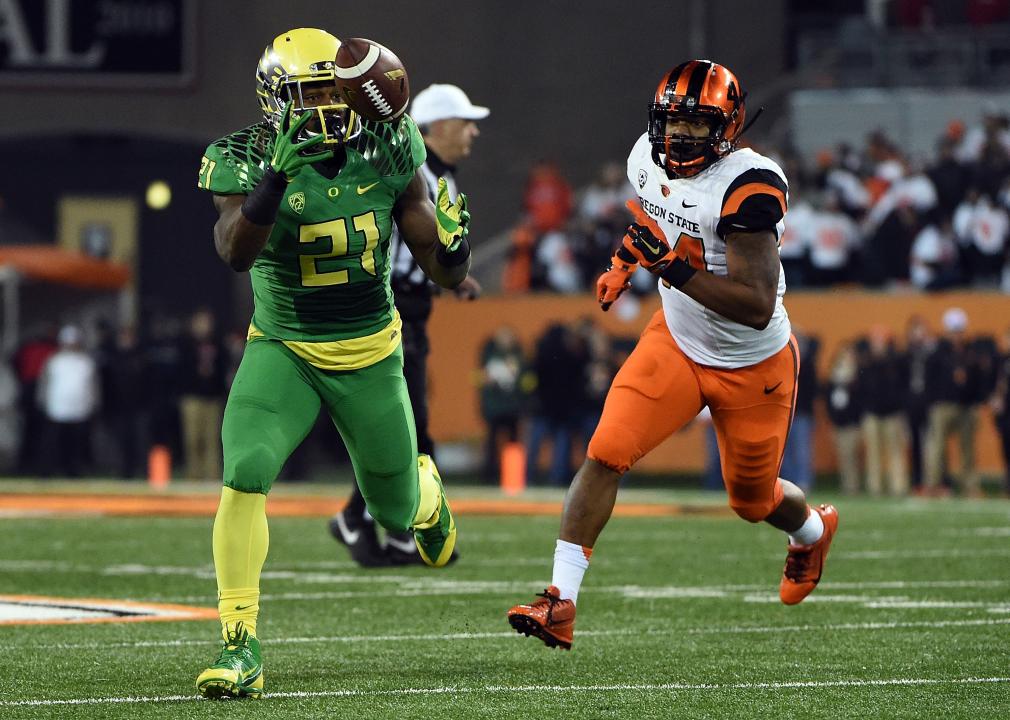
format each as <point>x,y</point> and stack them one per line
<point>287,158</point>
<point>451,218</point>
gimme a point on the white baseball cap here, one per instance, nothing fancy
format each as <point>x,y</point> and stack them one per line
<point>443,102</point>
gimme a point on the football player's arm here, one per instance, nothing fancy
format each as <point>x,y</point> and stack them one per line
<point>748,293</point>
<point>415,217</point>
<point>237,239</point>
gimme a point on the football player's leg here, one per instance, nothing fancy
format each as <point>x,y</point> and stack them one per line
<point>371,409</point>
<point>654,395</point>
<point>752,424</point>
<point>270,409</point>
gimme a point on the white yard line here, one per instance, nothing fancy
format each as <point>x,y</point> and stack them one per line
<point>525,689</point>
<point>672,630</point>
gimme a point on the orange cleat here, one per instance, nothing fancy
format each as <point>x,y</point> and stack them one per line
<point>549,618</point>
<point>805,563</point>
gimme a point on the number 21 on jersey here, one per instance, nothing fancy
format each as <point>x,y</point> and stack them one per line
<point>339,254</point>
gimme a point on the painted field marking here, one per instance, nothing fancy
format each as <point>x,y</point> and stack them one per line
<point>42,610</point>
<point>524,689</point>
<point>672,631</point>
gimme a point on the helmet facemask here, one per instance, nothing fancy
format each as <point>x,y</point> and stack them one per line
<point>685,154</point>
<point>337,122</point>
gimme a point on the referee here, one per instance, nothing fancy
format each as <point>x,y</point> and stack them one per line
<point>448,123</point>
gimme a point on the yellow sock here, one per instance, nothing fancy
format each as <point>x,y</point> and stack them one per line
<point>430,492</point>
<point>241,539</point>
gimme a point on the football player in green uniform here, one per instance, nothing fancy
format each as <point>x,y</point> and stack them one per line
<point>307,199</point>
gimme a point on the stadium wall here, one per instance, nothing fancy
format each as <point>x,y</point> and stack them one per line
<point>458,331</point>
<point>567,82</point>
<point>913,117</point>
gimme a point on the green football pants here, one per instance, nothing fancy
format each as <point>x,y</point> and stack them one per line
<point>274,402</point>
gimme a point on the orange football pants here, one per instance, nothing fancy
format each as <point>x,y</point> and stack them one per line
<point>659,390</point>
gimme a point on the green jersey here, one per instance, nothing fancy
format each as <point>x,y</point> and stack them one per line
<point>324,273</point>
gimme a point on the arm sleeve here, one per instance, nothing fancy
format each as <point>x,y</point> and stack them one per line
<point>755,201</point>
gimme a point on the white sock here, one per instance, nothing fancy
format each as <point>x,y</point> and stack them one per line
<point>570,564</point>
<point>810,531</point>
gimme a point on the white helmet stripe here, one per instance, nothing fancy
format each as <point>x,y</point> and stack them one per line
<point>346,73</point>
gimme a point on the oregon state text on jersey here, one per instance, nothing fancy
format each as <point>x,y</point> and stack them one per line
<point>742,192</point>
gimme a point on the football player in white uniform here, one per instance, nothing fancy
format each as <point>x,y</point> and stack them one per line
<point>707,224</point>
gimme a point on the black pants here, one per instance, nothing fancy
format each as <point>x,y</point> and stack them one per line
<point>66,448</point>
<point>917,416</point>
<point>492,457</point>
<point>1003,425</point>
<point>415,372</point>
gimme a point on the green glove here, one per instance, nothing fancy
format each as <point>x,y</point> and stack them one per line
<point>451,219</point>
<point>287,158</point>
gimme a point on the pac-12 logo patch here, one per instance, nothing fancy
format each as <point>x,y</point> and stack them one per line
<point>643,177</point>
<point>297,202</point>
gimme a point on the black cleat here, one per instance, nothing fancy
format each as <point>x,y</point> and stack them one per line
<point>360,538</point>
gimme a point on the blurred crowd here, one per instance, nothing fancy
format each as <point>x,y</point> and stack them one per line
<point>95,403</point>
<point>904,400</point>
<point>893,405</point>
<point>869,216</point>
<point>551,396</point>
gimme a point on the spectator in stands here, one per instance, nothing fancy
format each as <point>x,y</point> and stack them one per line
<point>881,387</point>
<point>204,364</point>
<point>603,201</point>
<point>895,219</point>
<point>501,399</point>
<point>600,372</point>
<point>548,198</point>
<point>10,418</point>
<point>68,393</point>
<point>1000,404</point>
<point>933,263</point>
<point>844,411</point>
<point>994,128</point>
<point>557,264</point>
<point>29,360</point>
<point>952,379</point>
<point>164,364</point>
<point>949,176</point>
<point>798,459</point>
<point>834,243</point>
<point>839,173</point>
<point>794,245</point>
<point>560,369</point>
<point>919,345</point>
<point>982,226</point>
<point>125,390</point>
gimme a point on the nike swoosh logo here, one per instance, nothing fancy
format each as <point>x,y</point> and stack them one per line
<point>406,546</point>
<point>362,189</point>
<point>350,536</point>
<point>770,390</point>
<point>684,203</point>
<point>650,248</point>
<point>243,607</point>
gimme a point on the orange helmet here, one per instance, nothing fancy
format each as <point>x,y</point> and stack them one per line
<point>696,90</point>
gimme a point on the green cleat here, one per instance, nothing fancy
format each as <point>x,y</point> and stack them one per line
<point>238,671</point>
<point>436,538</point>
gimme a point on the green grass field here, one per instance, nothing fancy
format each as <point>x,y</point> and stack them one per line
<point>679,617</point>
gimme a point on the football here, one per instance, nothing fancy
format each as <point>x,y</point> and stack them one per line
<point>371,79</point>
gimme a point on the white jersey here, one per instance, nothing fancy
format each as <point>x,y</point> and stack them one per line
<point>743,192</point>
